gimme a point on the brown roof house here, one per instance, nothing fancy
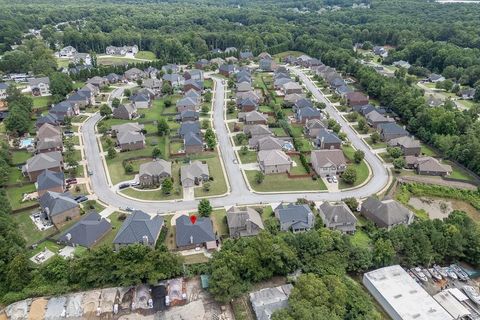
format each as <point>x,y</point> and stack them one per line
<point>129,136</point>
<point>338,216</point>
<point>59,207</point>
<point>194,174</point>
<point>356,99</point>
<point>37,164</point>
<point>253,117</point>
<point>427,166</point>
<point>125,111</point>
<point>49,144</point>
<point>291,87</point>
<point>386,213</point>
<point>274,161</point>
<point>374,119</point>
<point>154,172</point>
<point>50,181</point>
<point>408,145</point>
<point>244,222</point>
<point>328,162</point>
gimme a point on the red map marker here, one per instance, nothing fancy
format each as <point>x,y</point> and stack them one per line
<point>193,219</point>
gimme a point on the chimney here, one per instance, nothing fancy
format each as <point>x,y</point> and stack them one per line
<point>68,236</point>
<point>335,218</point>
<point>145,240</point>
<point>191,239</point>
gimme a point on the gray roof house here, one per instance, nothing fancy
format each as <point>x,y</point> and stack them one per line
<point>409,145</point>
<point>59,207</point>
<point>313,128</point>
<point>274,161</point>
<point>50,181</point>
<point>436,78</point>
<point>427,166</point>
<point>193,143</point>
<point>187,115</point>
<point>39,86</point>
<point>244,222</point>
<point>174,79</point>
<point>194,173</point>
<point>327,140</point>
<point>269,143</point>
<point>135,74</point>
<point>328,162</point>
<point>245,55</point>
<point>266,301</point>
<point>86,232</point>
<point>338,216</point>
<point>308,113</point>
<point>139,227</point>
<point>187,103</point>
<point>98,81</point>
<point>129,126</point>
<point>50,118</point>
<point>190,235</point>
<point>244,86</point>
<point>294,217</point>
<point>374,119</point>
<point>130,140</point>
<point>253,117</point>
<point>154,172</point>
<point>189,127</point>
<point>38,163</point>
<point>125,111</point>
<point>391,130</point>
<point>386,213</point>
<point>141,101</point>
<point>48,131</point>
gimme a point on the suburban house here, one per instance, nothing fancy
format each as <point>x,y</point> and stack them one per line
<point>427,166</point>
<point>466,94</point>
<point>48,131</point>
<point>402,64</point>
<point>436,78</point>
<point>38,163</point>
<point>170,68</point>
<point>187,104</point>
<point>279,82</point>
<point>313,128</point>
<point>82,59</point>
<point>194,174</point>
<point>189,127</point>
<point>193,143</point>
<point>194,74</point>
<point>254,95</point>
<point>139,227</point>
<point>356,99</point>
<point>338,216</point>
<point>98,82</point>
<point>244,222</point>
<point>151,72</point>
<point>129,136</point>
<point>113,78</point>
<point>386,213</point>
<point>121,51</point>
<point>227,70</point>
<point>302,103</point>
<point>49,118</point>
<point>231,60</point>
<point>307,113</point>
<point>174,79</point>
<point>290,99</point>
<point>153,84</point>
<point>39,86</point>
<point>64,110</point>
<point>194,95</point>
<point>327,140</point>
<point>190,235</point>
<point>408,145</point>
<point>230,50</point>
<point>217,61</point>
<point>154,172</point>
<point>49,144</point>
<point>374,119</point>
<point>141,101</point>
<point>366,109</point>
<point>192,84</point>
<point>244,86</point>
<point>50,181</point>
<point>343,90</point>
<point>246,55</point>
<point>125,111</point>
<point>256,132</point>
<point>87,232</point>
<point>267,65</point>
<point>269,143</point>
<point>253,117</point>
<point>380,51</point>
<point>91,88</point>
<point>274,161</point>
<point>291,87</point>
<point>391,130</point>
<point>202,64</point>
<point>328,162</point>
<point>188,115</point>
<point>81,99</point>
<point>266,301</point>
<point>67,52</point>
<point>59,208</point>
<point>247,104</point>
<point>295,217</point>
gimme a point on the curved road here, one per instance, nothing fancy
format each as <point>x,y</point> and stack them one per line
<point>239,192</point>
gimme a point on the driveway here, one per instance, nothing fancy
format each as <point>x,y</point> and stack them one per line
<point>188,193</point>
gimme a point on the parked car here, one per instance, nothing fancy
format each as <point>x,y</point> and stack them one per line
<point>123,186</point>
<point>71,181</point>
<point>334,179</point>
<point>82,199</point>
<point>329,179</point>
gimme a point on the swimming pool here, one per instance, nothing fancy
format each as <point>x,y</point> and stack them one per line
<point>26,143</point>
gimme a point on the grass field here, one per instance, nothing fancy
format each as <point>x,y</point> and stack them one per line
<point>195,258</point>
<point>20,156</point>
<point>219,219</point>
<point>108,61</point>
<point>361,239</point>
<point>362,169</point>
<point>249,157</point>
<point>27,228</point>
<point>39,102</point>
<point>148,55</point>
<point>116,224</point>
<point>378,145</point>
<point>280,182</point>
<point>15,196</point>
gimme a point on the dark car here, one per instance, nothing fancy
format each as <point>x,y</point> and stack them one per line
<point>123,186</point>
<point>82,199</point>
<point>71,181</point>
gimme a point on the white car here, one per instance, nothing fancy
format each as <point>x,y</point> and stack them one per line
<point>334,179</point>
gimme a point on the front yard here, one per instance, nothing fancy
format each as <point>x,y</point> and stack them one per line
<point>218,185</point>
<point>281,182</point>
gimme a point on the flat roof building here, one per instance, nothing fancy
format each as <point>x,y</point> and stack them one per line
<point>401,297</point>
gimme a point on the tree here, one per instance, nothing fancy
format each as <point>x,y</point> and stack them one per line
<point>383,253</point>
<point>167,88</point>
<point>128,168</point>
<point>127,92</point>
<point>156,153</point>
<point>358,156</point>
<point>105,111</point>
<point>206,186</point>
<point>162,127</point>
<point>349,176</point>
<point>259,177</point>
<point>167,186</point>
<point>210,138</point>
<point>111,153</point>
<point>362,125</point>
<point>399,164</point>
<point>204,208</point>
<point>208,97</point>
<point>352,203</point>
<point>243,150</point>
<point>60,84</point>
<point>375,137</point>
<point>115,103</point>
<point>395,152</point>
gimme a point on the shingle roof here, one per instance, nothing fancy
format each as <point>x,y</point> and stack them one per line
<point>329,157</point>
<point>328,137</point>
<point>36,81</point>
<point>140,98</point>
<point>186,102</point>
<point>129,126</point>
<point>255,116</point>
<point>47,131</point>
<point>49,143</point>
<point>55,203</point>
<point>193,234</point>
<point>155,168</point>
<point>337,213</point>
<point>298,216</point>
<point>189,126</point>
<point>87,231</point>
<point>43,161</point>
<point>270,143</point>
<point>303,103</point>
<point>192,139</point>
<point>194,170</point>
<point>257,129</point>
<point>273,158</point>
<point>308,112</point>
<point>392,128</point>
<point>126,137</point>
<point>238,216</point>
<point>49,118</point>
<point>405,141</point>
<point>314,123</point>
<point>386,213</point>
<point>50,179</point>
<point>137,226</point>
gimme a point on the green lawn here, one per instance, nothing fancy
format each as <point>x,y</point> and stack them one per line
<point>62,62</point>
<point>297,131</point>
<point>362,169</point>
<point>267,213</point>
<point>426,150</point>
<point>304,145</point>
<point>218,186</point>
<point>115,166</point>
<point>298,169</point>
<point>219,219</point>
<point>148,55</point>
<point>27,228</point>
<point>15,196</point>
<point>280,182</point>
<point>108,61</point>
<point>78,84</point>
<point>361,239</point>
<point>20,156</point>
<point>39,102</point>
<point>279,132</point>
<point>116,223</point>
<point>458,173</point>
<point>15,176</point>
<point>378,145</point>
<point>50,245</point>
<point>386,157</point>
<point>249,157</point>
<point>195,258</point>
